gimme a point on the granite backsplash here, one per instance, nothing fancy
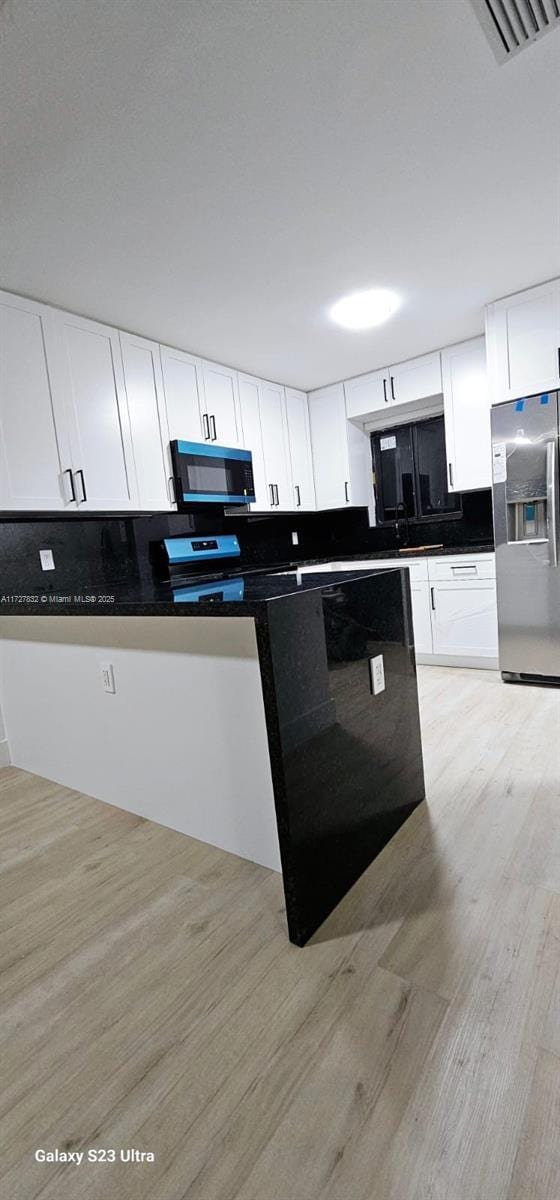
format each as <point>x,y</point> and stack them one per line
<point>100,549</point>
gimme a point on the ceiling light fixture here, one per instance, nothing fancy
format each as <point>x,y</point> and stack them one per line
<point>363,310</point>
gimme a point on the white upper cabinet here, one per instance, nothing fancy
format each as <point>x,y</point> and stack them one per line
<point>220,405</point>
<point>523,343</point>
<point>148,422</point>
<point>415,379</point>
<point>407,382</point>
<point>299,438</point>
<point>34,455</point>
<point>87,368</point>
<point>275,444</point>
<point>182,385</point>
<point>265,434</point>
<point>467,416</point>
<point>331,461</point>
<point>249,389</point>
<point>342,465</point>
<point>367,393</point>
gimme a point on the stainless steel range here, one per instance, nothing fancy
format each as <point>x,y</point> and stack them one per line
<point>525,436</point>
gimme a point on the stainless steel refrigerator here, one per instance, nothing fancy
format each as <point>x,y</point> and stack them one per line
<point>525,437</point>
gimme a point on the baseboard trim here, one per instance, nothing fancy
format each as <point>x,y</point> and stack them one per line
<point>5,759</point>
<point>456,660</point>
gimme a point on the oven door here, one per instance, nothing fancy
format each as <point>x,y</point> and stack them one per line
<point>212,474</point>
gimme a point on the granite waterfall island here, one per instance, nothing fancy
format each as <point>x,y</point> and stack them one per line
<point>245,717</point>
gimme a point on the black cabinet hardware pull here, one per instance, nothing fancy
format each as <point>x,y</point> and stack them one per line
<point>298,496</point>
<point>83,483</point>
<point>205,427</point>
<point>393,388</point>
<point>346,496</point>
<point>450,465</point>
<point>72,488</point>
<point>271,490</point>
<point>213,423</point>
<point>433,599</point>
<point>384,389</point>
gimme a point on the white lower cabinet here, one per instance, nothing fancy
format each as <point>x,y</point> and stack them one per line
<point>464,618</point>
<point>421,617</point>
<point>454,609</point>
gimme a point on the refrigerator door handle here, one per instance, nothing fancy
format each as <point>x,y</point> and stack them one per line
<point>552,500</point>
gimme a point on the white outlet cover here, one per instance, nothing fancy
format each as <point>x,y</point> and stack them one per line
<point>377,674</point>
<point>295,538</point>
<point>47,560</point>
<point>108,677</point>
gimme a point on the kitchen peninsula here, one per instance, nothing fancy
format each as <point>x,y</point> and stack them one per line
<point>276,718</point>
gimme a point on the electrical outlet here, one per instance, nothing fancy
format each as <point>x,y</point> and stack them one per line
<point>295,538</point>
<point>47,560</point>
<point>377,674</point>
<point>108,677</point>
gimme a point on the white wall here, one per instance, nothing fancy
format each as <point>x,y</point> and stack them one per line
<point>4,748</point>
<point>183,740</point>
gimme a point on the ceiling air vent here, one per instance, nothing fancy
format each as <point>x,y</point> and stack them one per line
<point>511,25</point>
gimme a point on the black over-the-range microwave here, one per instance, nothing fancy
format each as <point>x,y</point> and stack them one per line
<point>209,474</point>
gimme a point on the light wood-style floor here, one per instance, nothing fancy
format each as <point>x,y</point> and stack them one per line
<point>411,1052</point>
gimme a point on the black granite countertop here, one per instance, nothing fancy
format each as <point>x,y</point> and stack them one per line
<point>237,595</point>
<point>410,552</point>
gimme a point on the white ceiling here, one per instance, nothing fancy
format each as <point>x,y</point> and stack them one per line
<point>215,173</point>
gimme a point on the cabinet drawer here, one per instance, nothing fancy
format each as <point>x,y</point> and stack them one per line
<point>462,568</point>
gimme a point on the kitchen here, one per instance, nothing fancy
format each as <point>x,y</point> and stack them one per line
<point>278,634</point>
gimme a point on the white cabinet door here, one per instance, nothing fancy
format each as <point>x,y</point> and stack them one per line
<point>329,443</point>
<point>421,617</point>
<point>275,445</point>
<point>34,454</point>
<point>221,404</point>
<point>249,389</point>
<point>467,416</point>
<point>146,408</point>
<point>87,365</point>
<point>299,438</point>
<point>367,394</point>
<point>524,343</point>
<point>182,385</point>
<point>464,618</point>
<point>415,379</point>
